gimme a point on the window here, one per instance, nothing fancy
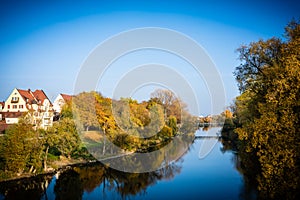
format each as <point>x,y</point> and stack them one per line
<point>14,99</point>
<point>8,106</point>
<point>15,106</point>
<point>20,106</point>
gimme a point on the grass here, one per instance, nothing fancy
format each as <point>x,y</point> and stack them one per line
<point>95,136</point>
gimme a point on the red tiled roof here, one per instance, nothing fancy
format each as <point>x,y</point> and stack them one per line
<point>40,95</point>
<point>26,94</point>
<point>66,97</point>
<point>37,95</point>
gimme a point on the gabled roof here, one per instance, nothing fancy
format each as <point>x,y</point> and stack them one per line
<point>26,94</point>
<point>40,96</point>
<point>66,97</point>
<point>33,97</point>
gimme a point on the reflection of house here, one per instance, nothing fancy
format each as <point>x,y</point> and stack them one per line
<point>60,100</point>
<point>35,104</point>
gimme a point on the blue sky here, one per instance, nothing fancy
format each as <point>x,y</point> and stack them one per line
<point>43,44</point>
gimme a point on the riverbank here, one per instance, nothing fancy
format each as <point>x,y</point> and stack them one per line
<point>60,165</point>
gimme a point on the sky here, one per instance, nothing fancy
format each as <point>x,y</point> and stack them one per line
<point>44,44</point>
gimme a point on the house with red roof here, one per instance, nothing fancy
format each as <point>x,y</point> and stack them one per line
<point>34,104</point>
<point>59,101</point>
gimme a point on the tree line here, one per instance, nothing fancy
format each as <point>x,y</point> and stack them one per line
<point>266,117</point>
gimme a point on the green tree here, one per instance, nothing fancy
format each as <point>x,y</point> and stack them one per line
<point>157,120</point>
<point>66,111</point>
<point>172,123</point>
<point>64,136</point>
<point>22,150</point>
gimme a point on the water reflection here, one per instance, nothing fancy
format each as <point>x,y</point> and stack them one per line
<point>31,188</point>
<point>72,183</point>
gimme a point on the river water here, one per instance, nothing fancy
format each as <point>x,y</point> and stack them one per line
<point>205,171</point>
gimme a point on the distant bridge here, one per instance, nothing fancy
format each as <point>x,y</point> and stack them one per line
<point>213,124</point>
<point>207,137</point>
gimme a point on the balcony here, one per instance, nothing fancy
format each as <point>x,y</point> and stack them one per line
<point>14,100</point>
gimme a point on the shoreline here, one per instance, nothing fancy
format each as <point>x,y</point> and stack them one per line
<point>50,171</point>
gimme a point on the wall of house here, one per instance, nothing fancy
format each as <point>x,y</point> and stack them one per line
<point>58,103</point>
<point>11,120</point>
<point>47,114</point>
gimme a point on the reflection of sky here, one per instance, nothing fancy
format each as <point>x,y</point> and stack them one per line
<point>43,45</point>
<point>212,177</point>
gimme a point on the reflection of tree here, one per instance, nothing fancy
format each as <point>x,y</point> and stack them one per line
<point>68,186</point>
<point>31,188</point>
<point>98,175</point>
<point>157,158</point>
<point>244,163</point>
<point>255,184</point>
<point>229,140</point>
<point>88,177</point>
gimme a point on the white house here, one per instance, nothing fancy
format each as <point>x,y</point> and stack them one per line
<point>25,102</point>
<point>59,101</point>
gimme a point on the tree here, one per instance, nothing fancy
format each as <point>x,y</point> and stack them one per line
<point>172,123</point>
<point>268,111</point>
<point>171,104</point>
<point>64,136</point>
<point>84,109</point>
<point>22,148</point>
<point>66,111</point>
<point>157,120</point>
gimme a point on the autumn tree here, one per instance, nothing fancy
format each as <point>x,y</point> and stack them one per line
<point>172,105</point>
<point>268,110</point>
<point>84,111</point>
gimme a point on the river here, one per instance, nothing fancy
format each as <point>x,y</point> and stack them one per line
<point>205,171</point>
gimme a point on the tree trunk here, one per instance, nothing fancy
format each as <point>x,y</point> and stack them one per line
<point>31,168</point>
<point>104,142</point>
<point>45,159</point>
